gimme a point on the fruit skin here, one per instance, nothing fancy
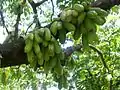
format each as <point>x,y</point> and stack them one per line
<point>53,61</point>
<point>89,24</point>
<point>59,25</point>
<point>36,47</point>
<point>77,34</point>
<point>70,27</point>
<point>51,50</point>
<point>63,15</point>
<point>81,17</point>
<point>92,14</point>
<point>62,36</point>
<point>30,36</point>
<point>37,38</point>
<point>40,58</point>
<point>74,13</point>
<point>78,7</point>
<point>53,28</point>
<point>85,41</point>
<point>92,37</point>
<point>28,46</point>
<point>99,20</point>
<point>47,34</point>
<point>30,56</point>
<point>100,11</point>
<point>58,68</point>
<point>41,31</point>
<point>57,47</point>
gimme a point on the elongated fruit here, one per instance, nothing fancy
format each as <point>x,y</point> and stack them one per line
<point>28,46</point>
<point>47,34</point>
<point>78,7</point>
<point>54,27</point>
<point>70,27</point>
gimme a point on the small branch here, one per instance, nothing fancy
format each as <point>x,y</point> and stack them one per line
<point>33,5</point>
<point>101,55</point>
<point>16,26</point>
<point>29,27</point>
<point>39,3</point>
<point>3,21</point>
<point>52,9</point>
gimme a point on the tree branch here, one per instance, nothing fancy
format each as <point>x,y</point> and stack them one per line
<point>102,57</point>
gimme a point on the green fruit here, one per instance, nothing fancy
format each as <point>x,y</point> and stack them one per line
<point>28,46</point>
<point>45,43</point>
<point>92,14</point>
<point>89,24</point>
<point>70,27</point>
<point>62,56</point>
<point>46,54</point>
<point>36,48</point>
<point>68,12</point>
<point>74,21</point>
<point>77,34</point>
<point>37,38</point>
<point>53,28</point>
<point>85,5</point>
<point>51,49</point>
<point>46,67</point>
<point>53,61</point>
<point>85,42</point>
<point>74,13</point>
<point>30,56</point>
<point>58,68</point>
<point>81,17</point>
<point>41,31</point>
<point>30,36</point>
<point>63,15</point>
<point>62,36</point>
<point>100,11</point>
<point>78,7</point>
<point>59,25</point>
<point>53,39</point>
<point>57,47</point>
<point>40,58</point>
<point>99,20</point>
<point>92,37</point>
<point>47,34</point>
<point>82,28</point>
<point>68,19</point>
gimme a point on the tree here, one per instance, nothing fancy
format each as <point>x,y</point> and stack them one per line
<point>39,45</point>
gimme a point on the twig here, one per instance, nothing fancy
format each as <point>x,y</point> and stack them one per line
<point>16,26</point>
<point>52,9</point>
<point>101,55</point>
<point>3,21</point>
<point>29,27</point>
<point>39,3</point>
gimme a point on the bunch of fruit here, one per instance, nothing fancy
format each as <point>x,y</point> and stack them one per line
<point>42,46</point>
<point>81,20</point>
<point>43,49</point>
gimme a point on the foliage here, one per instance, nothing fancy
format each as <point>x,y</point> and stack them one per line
<point>95,67</point>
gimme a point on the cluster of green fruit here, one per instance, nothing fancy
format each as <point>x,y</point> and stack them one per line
<point>44,50</point>
<point>81,20</point>
<point>42,46</point>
